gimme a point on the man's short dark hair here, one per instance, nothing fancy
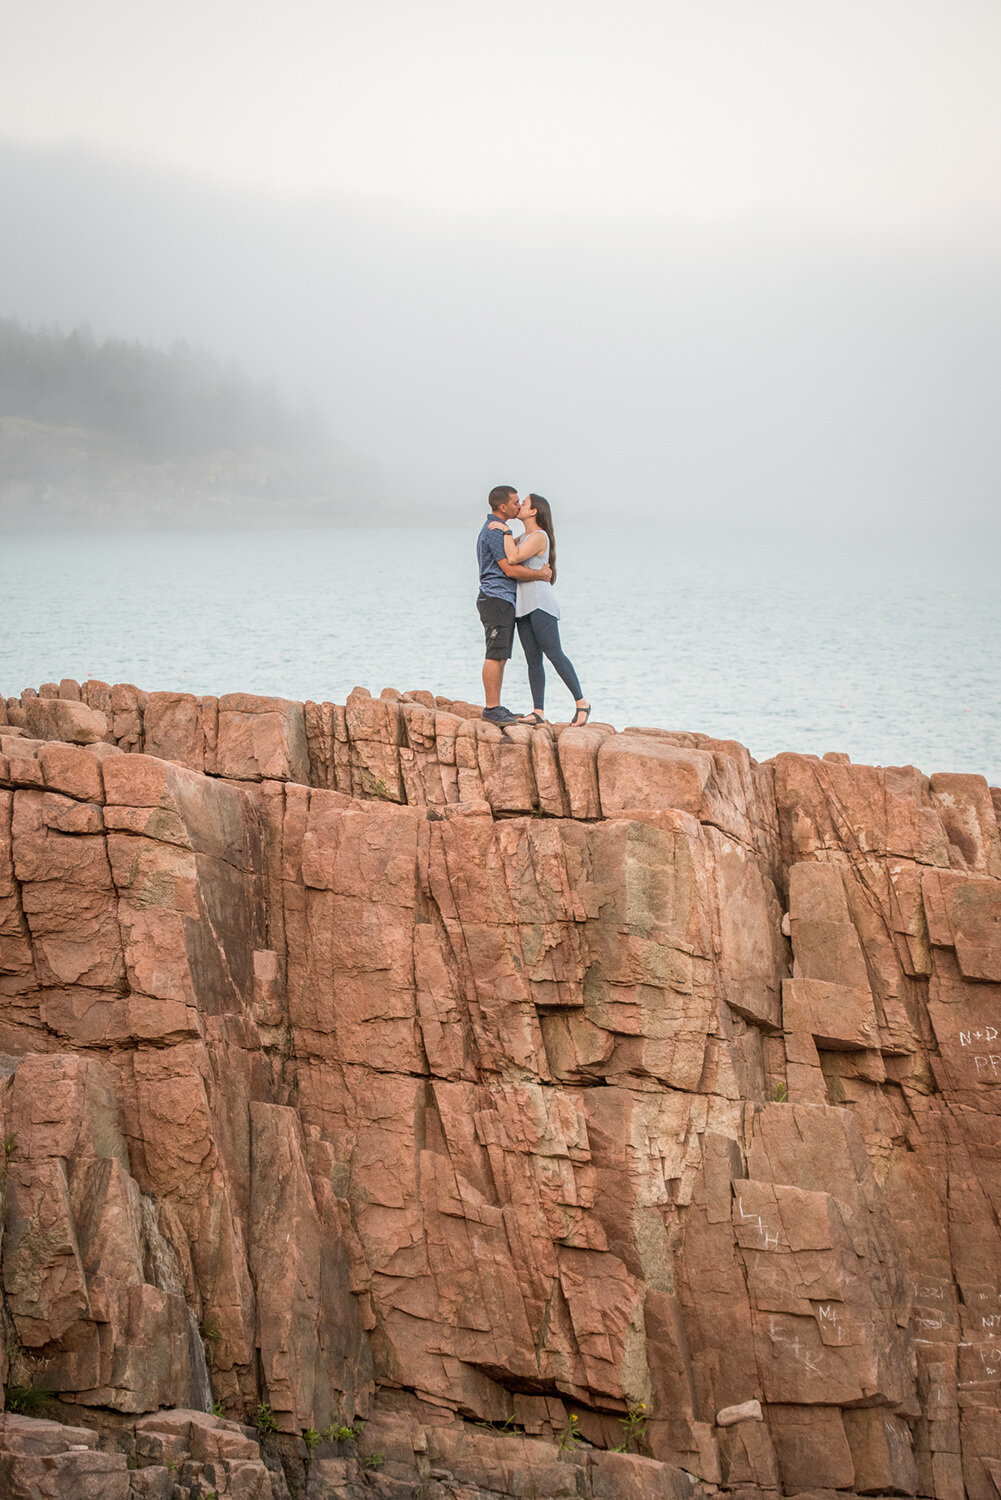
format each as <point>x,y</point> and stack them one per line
<point>500,494</point>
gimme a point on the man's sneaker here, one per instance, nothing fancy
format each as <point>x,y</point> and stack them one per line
<point>500,715</point>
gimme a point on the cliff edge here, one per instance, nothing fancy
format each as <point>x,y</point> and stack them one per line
<point>396,1106</point>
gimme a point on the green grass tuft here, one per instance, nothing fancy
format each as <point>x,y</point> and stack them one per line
<point>265,1420</point>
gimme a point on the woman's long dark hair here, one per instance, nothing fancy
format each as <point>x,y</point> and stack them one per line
<point>544,518</point>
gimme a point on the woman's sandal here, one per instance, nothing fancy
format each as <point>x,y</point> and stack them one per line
<point>577,722</point>
<point>534,719</point>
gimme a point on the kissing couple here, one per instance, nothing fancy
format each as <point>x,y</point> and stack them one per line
<point>516,589</point>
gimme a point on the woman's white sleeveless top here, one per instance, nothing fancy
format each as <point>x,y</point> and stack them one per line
<point>539,595</point>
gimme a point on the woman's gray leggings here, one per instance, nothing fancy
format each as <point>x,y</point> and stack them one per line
<point>539,634</point>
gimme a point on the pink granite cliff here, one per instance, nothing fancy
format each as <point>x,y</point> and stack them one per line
<point>397,1107</point>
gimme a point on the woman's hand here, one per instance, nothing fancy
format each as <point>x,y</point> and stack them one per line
<point>498,526</point>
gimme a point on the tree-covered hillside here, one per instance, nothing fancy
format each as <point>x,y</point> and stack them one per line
<point>114,433</point>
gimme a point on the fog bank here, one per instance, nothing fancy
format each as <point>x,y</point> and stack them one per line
<point>769,370</point>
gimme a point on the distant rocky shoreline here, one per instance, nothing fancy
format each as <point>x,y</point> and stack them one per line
<point>64,479</point>
<point>123,436</point>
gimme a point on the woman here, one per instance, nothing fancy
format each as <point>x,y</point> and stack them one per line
<point>537,610</point>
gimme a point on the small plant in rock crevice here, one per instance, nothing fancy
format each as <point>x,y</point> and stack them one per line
<point>265,1420</point>
<point>340,1432</point>
<point>373,1461</point>
<point>374,786</point>
<point>780,1094</point>
<point>570,1436</point>
<point>508,1425</point>
<point>28,1400</point>
<point>633,1426</point>
<point>217,1409</point>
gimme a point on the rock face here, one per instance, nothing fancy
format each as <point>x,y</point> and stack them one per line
<point>458,1106</point>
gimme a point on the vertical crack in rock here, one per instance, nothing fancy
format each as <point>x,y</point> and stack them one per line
<point>161,1261</point>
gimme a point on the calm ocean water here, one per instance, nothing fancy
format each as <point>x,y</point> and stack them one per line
<point>890,655</point>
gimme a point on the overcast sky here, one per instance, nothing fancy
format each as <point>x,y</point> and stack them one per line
<point>881,111</point>
<point>721,248</point>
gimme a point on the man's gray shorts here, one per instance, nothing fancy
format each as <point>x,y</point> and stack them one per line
<point>498,626</point>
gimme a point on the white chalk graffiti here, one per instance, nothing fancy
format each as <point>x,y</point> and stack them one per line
<point>771,1241</point>
<point>990,1358</point>
<point>796,1349</point>
<point>967,1038</point>
<point>898,1444</point>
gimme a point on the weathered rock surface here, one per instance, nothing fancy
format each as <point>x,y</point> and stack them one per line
<point>454,1107</point>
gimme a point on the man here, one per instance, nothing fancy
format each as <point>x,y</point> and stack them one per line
<point>496,600</point>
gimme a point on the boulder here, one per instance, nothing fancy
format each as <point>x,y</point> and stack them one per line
<point>62,719</point>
